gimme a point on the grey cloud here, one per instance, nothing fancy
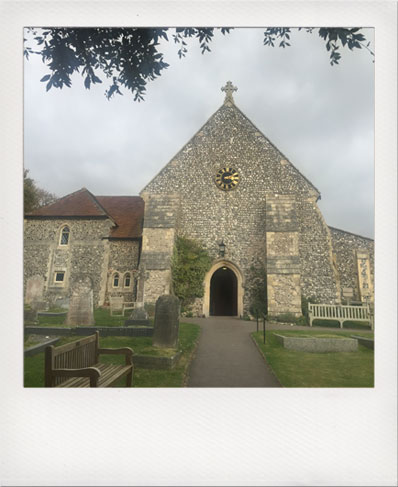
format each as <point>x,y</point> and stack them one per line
<point>320,116</point>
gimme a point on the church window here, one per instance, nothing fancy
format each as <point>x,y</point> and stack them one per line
<point>59,276</point>
<point>116,280</point>
<point>64,236</point>
<point>127,280</point>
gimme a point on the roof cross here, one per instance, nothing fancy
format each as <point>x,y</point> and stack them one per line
<point>229,89</point>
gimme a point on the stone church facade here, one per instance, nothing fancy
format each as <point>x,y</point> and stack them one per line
<point>228,188</point>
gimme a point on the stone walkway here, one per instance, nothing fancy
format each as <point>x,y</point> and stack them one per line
<point>227,357</point>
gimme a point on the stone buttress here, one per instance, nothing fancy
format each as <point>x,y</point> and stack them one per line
<point>158,237</point>
<point>283,262</point>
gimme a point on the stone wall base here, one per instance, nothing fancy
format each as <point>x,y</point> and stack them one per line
<point>284,295</point>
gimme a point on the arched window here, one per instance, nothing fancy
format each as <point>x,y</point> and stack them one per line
<point>116,280</point>
<point>127,280</point>
<point>65,232</point>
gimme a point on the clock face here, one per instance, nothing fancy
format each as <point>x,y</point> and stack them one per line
<point>227,178</point>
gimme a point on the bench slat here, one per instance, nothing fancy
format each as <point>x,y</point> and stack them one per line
<point>109,375</point>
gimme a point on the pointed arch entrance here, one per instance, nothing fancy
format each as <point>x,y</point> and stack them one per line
<point>223,290</point>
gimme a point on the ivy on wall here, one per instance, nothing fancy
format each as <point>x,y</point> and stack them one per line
<point>189,266</point>
<point>258,280</point>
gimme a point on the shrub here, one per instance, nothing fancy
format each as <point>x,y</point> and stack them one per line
<point>258,290</point>
<point>189,266</point>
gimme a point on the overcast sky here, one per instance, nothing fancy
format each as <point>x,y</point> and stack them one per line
<point>320,117</point>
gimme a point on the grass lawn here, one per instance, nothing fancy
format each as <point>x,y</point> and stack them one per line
<point>302,369</point>
<point>189,333</point>
<point>102,317</point>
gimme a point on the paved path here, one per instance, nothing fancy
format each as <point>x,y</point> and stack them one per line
<point>227,357</point>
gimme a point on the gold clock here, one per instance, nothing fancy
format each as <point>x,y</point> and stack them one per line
<point>227,178</point>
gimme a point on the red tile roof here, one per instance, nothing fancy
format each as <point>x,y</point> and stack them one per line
<point>79,203</point>
<point>126,212</point>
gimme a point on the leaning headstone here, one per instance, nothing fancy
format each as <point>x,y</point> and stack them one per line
<point>167,313</point>
<point>81,304</point>
<point>139,316</point>
<point>34,289</point>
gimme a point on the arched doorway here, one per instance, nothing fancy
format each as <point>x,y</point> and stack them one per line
<point>223,293</point>
<point>212,288</point>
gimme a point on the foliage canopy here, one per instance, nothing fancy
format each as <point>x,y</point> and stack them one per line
<point>34,197</point>
<point>130,57</point>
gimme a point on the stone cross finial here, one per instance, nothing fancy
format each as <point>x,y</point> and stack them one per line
<point>229,89</point>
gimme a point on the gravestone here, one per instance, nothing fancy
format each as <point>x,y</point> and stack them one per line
<point>167,313</point>
<point>61,302</point>
<point>139,316</point>
<point>34,289</point>
<point>81,304</point>
<point>30,316</point>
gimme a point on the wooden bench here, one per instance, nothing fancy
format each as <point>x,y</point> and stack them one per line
<point>337,312</point>
<point>117,303</point>
<point>76,364</point>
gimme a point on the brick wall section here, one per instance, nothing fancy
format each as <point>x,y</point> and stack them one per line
<point>345,245</point>
<point>84,255</point>
<point>238,217</point>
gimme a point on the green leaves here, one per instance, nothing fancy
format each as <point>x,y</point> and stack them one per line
<point>189,266</point>
<point>334,39</point>
<point>34,197</point>
<point>128,57</point>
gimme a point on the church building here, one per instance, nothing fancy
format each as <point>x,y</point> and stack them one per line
<point>230,189</point>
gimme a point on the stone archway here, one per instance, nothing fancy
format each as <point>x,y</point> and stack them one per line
<point>223,286</point>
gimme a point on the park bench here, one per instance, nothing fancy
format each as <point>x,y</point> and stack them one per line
<point>338,312</point>
<point>76,364</point>
<point>118,304</point>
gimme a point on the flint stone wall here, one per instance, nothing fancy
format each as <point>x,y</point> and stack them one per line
<point>238,217</point>
<point>345,245</point>
<point>123,258</point>
<point>86,254</point>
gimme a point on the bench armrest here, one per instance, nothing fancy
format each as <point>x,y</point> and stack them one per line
<point>128,352</point>
<point>92,372</point>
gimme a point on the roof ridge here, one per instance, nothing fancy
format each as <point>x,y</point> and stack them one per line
<point>58,200</point>
<point>227,106</point>
<point>117,196</point>
<point>182,148</point>
<point>99,206</point>
<point>277,148</point>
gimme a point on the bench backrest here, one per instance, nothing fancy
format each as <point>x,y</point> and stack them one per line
<point>75,355</point>
<point>330,311</point>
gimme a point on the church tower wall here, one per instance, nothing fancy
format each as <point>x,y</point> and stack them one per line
<point>239,217</point>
